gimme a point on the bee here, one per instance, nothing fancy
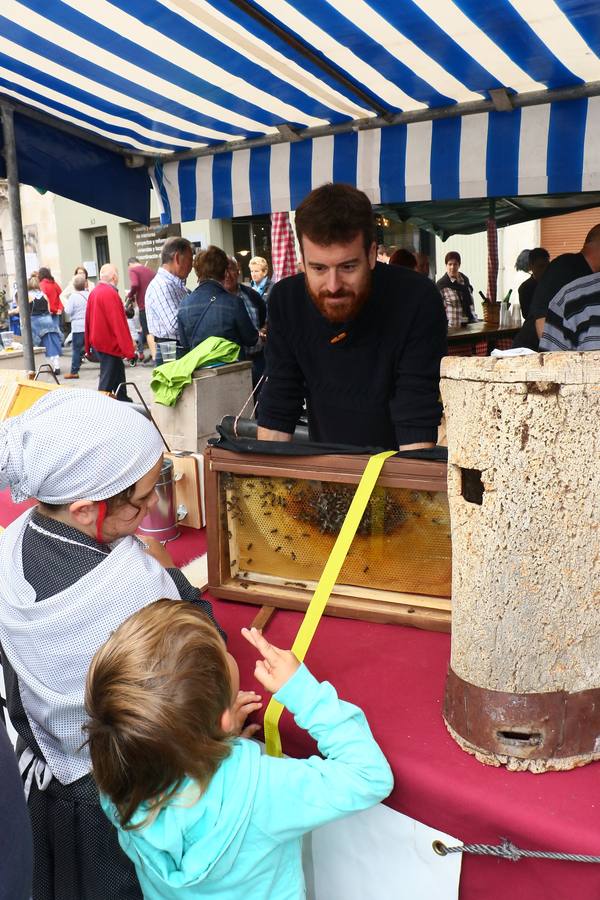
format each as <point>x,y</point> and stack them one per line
<point>229,535</point>
<point>267,513</point>
<point>233,563</point>
<point>248,561</point>
<point>305,534</point>
<point>277,549</point>
<point>288,537</point>
<point>293,555</point>
<point>249,547</point>
<point>274,530</point>
<point>366,569</point>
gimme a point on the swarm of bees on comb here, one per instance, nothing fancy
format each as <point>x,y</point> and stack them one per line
<point>285,527</point>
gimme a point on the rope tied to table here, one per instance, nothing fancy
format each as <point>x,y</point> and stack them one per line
<point>508,850</point>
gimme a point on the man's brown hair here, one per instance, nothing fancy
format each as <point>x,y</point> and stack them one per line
<point>155,694</point>
<point>452,254</point>
<point>211,263</point>
<point>335,214</point>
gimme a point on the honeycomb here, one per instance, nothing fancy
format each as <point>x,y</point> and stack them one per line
<point>285,528</point>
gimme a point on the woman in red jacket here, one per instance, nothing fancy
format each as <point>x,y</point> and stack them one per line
<point>51,289</point>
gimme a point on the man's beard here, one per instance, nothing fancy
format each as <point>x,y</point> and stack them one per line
<point>343,305</point>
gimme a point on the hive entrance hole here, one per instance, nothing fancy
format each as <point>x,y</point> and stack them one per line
<point>472,486</point>
<point>520,738</point>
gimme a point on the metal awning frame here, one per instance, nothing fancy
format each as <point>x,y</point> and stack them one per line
<point>502,102</point>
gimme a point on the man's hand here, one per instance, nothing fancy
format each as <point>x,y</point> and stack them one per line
<point>245,703</point>
<point>276,667</point>
<point>539,326</point>
<point>425,445</point>
<point>269,434</point>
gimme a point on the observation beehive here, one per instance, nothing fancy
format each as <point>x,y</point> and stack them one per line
<point>524,490</point>
<point>272,522</point>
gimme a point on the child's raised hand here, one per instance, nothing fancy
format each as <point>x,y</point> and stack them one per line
<point>245,703</point>
<point>276,667</point>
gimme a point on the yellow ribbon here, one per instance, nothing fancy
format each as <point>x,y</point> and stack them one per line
<point>327,581</point>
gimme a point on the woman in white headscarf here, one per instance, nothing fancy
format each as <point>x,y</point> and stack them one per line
<point>71,570</point>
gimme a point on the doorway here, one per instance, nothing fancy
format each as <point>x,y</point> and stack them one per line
<point>102,252</point>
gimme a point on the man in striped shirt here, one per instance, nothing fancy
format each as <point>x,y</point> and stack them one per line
<point>167,289</point>
<point>573,317</point>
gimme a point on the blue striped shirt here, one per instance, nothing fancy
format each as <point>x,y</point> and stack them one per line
<point>163,296</point>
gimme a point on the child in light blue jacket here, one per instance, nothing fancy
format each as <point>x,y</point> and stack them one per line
<point>200,811</point>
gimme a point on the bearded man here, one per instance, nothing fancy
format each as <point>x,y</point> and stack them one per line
<point>360,341</point>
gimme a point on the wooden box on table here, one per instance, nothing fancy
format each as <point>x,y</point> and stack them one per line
<point>214,392</point>
<point>273,520</point>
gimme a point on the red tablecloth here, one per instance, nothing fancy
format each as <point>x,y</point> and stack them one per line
<point>397,676</point>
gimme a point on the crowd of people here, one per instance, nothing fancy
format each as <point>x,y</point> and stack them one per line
<point>562,298</point>
<point>104,327</point>
<point>160,307</point>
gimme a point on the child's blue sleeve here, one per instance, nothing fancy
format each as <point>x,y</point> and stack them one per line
<point>297,795</point>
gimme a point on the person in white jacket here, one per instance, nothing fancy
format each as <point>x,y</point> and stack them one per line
<point>200,811</point>
<point>75,305</point>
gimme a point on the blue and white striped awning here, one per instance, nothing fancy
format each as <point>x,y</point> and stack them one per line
<point>297,86</point>
<point>548,149</point>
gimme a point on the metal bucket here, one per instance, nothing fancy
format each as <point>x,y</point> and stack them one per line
<point>161,521</point>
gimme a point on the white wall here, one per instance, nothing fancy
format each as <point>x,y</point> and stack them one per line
<point>473,251</point>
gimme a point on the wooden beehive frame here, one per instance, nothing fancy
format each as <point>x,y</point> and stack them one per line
<point>18,393</point>
<point>432,613</point>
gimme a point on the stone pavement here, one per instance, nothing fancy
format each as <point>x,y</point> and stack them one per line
<point>89,372</point>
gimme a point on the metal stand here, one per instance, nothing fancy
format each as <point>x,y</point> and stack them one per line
<point>46,369</point>
<point>133,385</point>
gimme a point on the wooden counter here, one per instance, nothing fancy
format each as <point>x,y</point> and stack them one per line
<point>479,339</point>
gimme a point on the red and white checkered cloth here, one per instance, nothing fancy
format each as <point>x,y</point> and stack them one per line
<point>283,246</point>
<point>492,242</point>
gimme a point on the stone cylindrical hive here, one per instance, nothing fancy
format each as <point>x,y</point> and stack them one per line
<point>523,688</point>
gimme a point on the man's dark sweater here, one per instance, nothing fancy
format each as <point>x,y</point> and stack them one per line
<point>377,387</point>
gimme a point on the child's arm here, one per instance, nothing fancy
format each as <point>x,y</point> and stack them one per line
<point>299,795</point>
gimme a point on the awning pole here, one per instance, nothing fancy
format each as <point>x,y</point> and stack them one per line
<point>16,222</point>
<point>492,248</point>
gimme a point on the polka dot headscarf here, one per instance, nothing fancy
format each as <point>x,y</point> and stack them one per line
<point>76,445</point>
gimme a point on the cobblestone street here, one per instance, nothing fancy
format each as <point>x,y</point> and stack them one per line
<point>140,375</point>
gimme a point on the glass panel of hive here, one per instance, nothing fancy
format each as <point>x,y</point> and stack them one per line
<point>285,528</point>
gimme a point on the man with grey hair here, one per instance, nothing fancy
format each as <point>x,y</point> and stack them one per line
<point>107,332</point>
<point>166,291</point>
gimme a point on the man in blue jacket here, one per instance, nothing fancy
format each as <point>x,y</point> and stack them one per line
<point>210,310</point>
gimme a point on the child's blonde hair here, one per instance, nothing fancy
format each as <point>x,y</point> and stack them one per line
<point>155,695</point>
